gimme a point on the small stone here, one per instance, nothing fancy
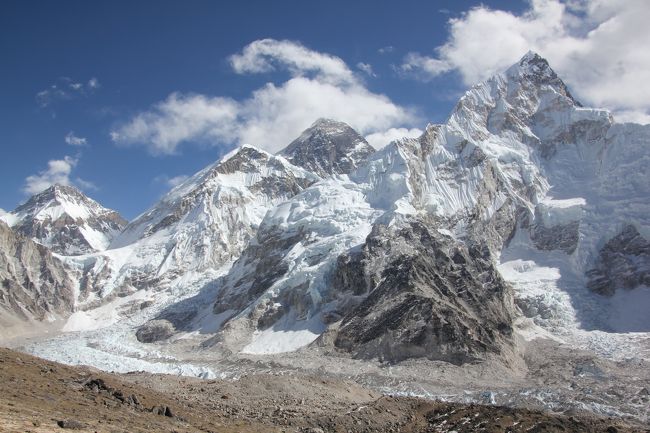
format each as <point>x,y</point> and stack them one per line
<point>70,424</point>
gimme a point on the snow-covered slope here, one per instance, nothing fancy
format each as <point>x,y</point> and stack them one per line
<point>519,164</point>
<point>525,212</point>
<point>65,220</point>
<point>328,147</point>
<point>197,227</point>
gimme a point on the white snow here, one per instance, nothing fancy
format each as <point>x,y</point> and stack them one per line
<point>285,336</point>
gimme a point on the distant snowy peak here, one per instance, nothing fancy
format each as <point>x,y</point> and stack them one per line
<point>328,147</point>
<point>535,69</point>
<point>527,101</point>
<point>203,223</point>
<point>245,176</point>
<point>66,220</point>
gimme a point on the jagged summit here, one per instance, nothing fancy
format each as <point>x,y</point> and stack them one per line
<point>202,223</point>
<point>536,69</point>
<point>528,99</point>
<point>328,147</point>
<point>66,220</point>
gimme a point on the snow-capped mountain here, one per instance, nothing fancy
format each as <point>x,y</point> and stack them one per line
<point>65,220</point>
<point>524,212</point>
<point>196,228</point>
<point>36,286</point>
<point>521,173</point>
<point>328,147</point>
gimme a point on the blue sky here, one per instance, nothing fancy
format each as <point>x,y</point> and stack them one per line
<point>123,98</point>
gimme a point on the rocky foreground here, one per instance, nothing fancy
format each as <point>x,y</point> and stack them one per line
<point>43,396</point>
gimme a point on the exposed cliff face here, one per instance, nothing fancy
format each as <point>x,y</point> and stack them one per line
<point>623,263</point>
<point>67,221</point>
<point>198,227</point>
<point>426,295</point>
<point>328,147</point>
<point>34,285</point>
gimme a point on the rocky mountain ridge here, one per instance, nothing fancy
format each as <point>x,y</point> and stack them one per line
<point>66,221</point>
<point>438,246</point>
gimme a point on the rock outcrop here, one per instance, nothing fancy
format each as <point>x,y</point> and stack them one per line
<point>328,147</point>
<point>34,285</point>
<point>623,263</point>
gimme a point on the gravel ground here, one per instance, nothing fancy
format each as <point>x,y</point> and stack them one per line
<point>42,396</point>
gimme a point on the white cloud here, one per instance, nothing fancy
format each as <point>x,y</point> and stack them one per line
<point>266,55</point>
<point>385,50</point>
<point>181,118</point>
<point>321,85</point>
<point>3,212</point>
<point>367,68</point>
<point>171,182</point>
<point>73,140</point>
<point>379,140</point>
<point>58,172</point>
<point>423,67</point>
<point>85,184</point>
<point>597,46</point>
<point>65,89</point>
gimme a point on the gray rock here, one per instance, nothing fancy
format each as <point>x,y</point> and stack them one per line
<point>623,263</point>
<point>562,237</point>
<point>430,297</point>
<point>328,147</point>
<point>155,330</point>
<point>71,424</point>
<point>33,283</point>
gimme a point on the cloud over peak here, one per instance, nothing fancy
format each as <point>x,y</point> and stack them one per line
<point>597,46</point>
<point>320,85</point>
<point>58,171</point>
<point>267,55</point>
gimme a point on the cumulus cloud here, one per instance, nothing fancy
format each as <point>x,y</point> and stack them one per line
<point>181,118</point>
<point>266,55</point>
<point>423,67</point>
<point>367,68</point>
<point>73,140</point>
<point>597,46</point>
<point>64,89</point>
<point>320,85</point>
<point>378,140</point>
<point>3,212</point>
<point>58,171</point>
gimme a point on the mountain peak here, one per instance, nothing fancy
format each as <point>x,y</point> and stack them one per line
<point>537,70</point>
<point>58,191</point>
<point>66,220</point>
<point>324,122</point>
<point>328,147</point>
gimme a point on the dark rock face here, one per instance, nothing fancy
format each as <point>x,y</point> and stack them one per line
<point>328,147</point>
<point>264,266</point>
<point>155,330</point>
<point>33,283</point>
<point>559,237</point>
<point>624,263</point>
<point>432,297</point>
